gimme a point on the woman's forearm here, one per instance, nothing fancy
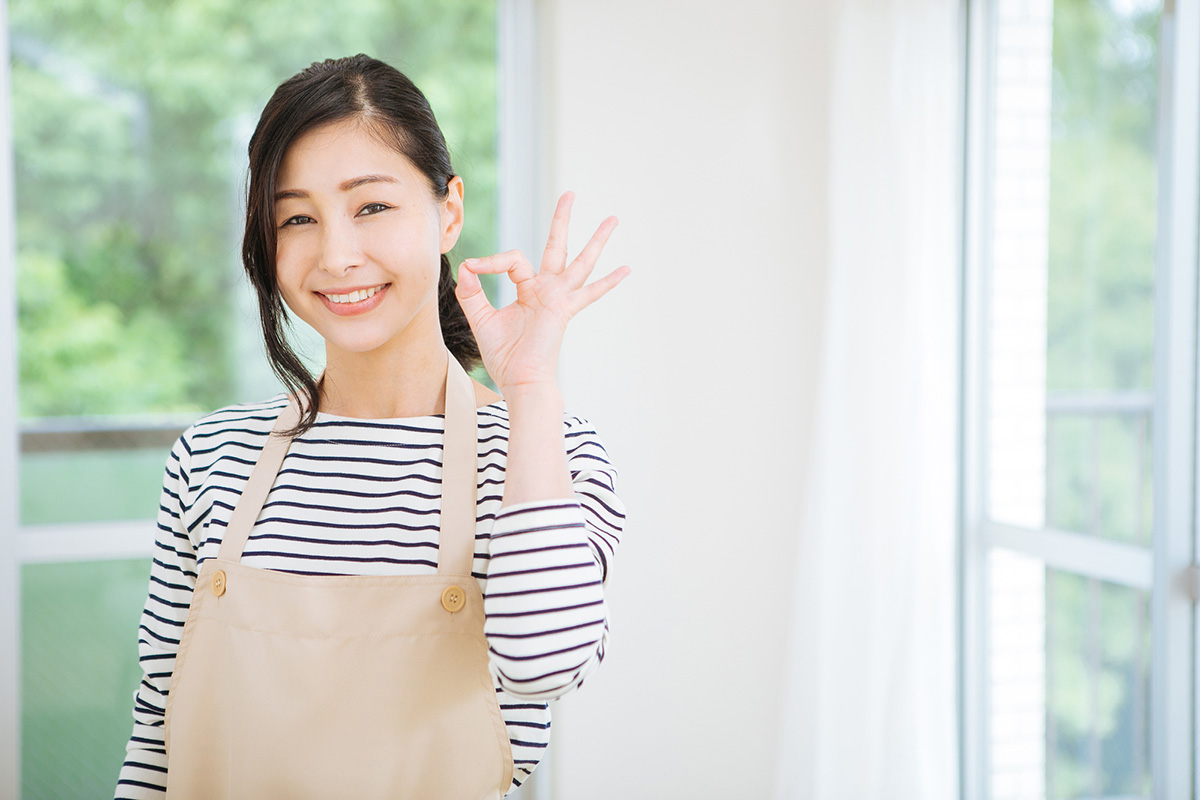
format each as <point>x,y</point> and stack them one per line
<point>537,458</point>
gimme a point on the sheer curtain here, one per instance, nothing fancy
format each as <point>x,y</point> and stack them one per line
<point>870,710</point>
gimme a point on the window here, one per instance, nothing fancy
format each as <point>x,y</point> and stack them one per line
<point>1079,403</point>
<point>133,317</point>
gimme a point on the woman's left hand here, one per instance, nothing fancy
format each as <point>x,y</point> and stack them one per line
<point>520,342</point>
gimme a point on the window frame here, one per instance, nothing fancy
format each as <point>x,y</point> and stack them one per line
<point>1173,604</point>
<point>10,592</point>
<point>1168,567</point>
<point>521,135</point>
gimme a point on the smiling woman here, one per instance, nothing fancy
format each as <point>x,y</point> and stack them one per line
<point>384,576</point>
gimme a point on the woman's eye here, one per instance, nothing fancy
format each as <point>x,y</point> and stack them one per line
<point>299,219</point>
<point>373,208</point>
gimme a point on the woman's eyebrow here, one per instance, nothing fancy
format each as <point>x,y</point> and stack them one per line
<point>344,186</point>
<point>354,183</point>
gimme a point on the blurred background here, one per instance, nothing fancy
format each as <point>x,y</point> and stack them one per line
<point>902,388</point>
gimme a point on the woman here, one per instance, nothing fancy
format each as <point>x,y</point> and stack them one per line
<point>377,599</point>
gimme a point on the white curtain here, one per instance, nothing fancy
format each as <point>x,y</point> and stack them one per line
<point>870,711</point>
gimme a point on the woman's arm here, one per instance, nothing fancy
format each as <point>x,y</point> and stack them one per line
<point>547,623</point>
<point>546,620</point>
<point>172,579</point>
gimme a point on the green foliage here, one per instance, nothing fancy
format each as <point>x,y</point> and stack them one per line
<point>86,355</point>
<point>129,156</point>
<point>1103,186</point>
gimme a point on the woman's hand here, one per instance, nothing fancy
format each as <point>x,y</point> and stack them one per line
<point>520,342</point>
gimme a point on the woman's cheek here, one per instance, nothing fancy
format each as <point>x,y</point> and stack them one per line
<point>284,281</point>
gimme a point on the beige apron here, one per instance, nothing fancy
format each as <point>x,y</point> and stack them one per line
<point>295,686</point>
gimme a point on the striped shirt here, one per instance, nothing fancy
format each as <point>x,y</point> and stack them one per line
<point>362,497</point>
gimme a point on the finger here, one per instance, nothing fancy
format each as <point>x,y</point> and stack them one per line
<point>597,289</point>
<point>513,262</point>
<point>585,262</point>
<point>555,256</point>
<point>469,291</point>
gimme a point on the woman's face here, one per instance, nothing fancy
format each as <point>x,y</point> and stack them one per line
<point>360,237</point>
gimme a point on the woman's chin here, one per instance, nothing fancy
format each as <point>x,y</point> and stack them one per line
<point>357,347</point>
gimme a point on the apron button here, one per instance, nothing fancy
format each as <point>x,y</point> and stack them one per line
<point>218,583</point>
<point>453,599</point>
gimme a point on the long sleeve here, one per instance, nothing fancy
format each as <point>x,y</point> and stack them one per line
<point>172,579</point>
<point>547,622</point>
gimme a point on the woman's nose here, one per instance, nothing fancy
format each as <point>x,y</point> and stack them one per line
<point>340,248</point>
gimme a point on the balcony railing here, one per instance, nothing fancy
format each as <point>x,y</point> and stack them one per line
<point>75,434</point>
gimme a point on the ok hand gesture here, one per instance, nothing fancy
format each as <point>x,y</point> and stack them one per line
<point>520,342</point>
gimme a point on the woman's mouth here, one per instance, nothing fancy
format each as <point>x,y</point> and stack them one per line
<point>355,301</point>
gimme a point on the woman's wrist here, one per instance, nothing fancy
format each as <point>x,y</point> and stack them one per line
<point>538,394</point>
<point>537,462</point>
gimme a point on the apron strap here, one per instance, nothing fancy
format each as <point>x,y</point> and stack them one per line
<point>460,471</point>
<point>258,486</point>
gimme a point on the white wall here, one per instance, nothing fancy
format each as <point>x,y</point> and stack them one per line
<point>703,126</point>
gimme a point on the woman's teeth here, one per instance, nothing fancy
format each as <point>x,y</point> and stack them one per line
<point>354,297</point>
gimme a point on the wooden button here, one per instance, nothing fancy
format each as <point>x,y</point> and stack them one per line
<point>218,583</point>
<point>453,599</point>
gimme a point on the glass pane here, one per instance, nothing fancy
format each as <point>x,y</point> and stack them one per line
<point>129,159</point>
<point>1099,477</point>
<point>79,671</point>
<point>1069,694</point>
<point>1073,212</point>
<point>133,315</point>
<point>104,485</point>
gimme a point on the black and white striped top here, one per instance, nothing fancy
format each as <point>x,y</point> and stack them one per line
<point>362,497</point>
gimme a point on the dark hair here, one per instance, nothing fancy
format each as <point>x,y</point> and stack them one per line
<point>330,91</point>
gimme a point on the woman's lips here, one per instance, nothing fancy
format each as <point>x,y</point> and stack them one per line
<point>360,307</point>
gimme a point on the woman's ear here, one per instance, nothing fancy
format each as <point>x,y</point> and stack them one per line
<point>452,213</point>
